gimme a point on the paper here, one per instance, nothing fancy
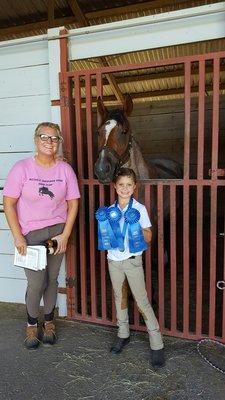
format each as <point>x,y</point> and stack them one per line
<point>35,259</point>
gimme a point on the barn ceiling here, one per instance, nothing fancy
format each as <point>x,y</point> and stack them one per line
<point>22,18</point>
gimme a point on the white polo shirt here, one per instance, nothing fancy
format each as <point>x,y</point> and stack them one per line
<point>144,221</point>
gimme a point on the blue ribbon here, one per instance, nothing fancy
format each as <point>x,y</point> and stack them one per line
<point>106,236</point>
<point>135,234</point>
<point>109,232</point>
<point>114,216</point>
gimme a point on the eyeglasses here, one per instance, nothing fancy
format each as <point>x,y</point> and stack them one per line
<point>54,139</point>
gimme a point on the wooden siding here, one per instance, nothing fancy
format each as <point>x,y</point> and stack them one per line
<point>24,102</point>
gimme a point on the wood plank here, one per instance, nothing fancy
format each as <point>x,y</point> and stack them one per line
<point>172,106</point>
<point>6,243</point>
<point>25,81</point>
<point>3,222</point>
<point>1,196</point>
<point>17,138</point>
<point>25,110</point>
<point>8,270</point>
<point>23,55</point>
<point>13,290</point>
<point>8,160</point>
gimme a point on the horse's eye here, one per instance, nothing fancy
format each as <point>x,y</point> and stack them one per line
<point>124,131</point>
<point>107,123</point>
<point>98,133</point>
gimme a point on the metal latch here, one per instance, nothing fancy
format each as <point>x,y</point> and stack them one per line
<point>221,285</point>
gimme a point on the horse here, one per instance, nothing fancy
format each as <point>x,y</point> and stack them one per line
<point>118,148</point>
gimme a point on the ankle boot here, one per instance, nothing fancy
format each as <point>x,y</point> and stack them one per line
<point>118,346</point>
<point>157,358</point>
<point>31,341</point>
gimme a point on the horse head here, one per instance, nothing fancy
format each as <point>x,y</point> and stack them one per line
<point>114,139</point>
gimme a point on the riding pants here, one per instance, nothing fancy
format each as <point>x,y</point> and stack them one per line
<point>43,283</point>
<point>131,270</point>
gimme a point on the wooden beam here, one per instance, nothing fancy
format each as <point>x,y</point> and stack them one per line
<point>134,8</point>
<point>111,79</point>
<point>78,13</point>
<point>43,25</point>
<point>51,13</point>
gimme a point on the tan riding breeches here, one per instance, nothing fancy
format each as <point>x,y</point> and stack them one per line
<point>132,270</point>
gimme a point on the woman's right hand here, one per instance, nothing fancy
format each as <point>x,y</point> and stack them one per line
<point>21,245</point>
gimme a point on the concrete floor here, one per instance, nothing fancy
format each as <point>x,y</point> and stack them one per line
<point>80,366</point>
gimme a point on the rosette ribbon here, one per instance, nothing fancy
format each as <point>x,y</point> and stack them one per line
<point>135,234</point>
<point>114,216</point>
<point>106,236</point>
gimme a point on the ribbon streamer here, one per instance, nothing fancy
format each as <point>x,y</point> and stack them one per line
<point>114,216</point>
<point>135,234</point>
<point>106,236</point>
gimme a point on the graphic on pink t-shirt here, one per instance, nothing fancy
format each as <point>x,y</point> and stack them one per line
<point>45,191</point>
<point>42,193</point>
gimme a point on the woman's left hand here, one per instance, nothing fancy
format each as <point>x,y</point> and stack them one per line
<point>62,241</point>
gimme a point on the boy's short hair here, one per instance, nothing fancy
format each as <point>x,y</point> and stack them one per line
<point>124,172</point>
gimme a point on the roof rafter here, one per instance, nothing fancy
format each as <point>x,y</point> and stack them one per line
<point>51,13</point>
<point>137,7</point>
<point>111,79</point>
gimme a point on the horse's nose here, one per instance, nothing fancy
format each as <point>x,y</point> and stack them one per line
<point>107,168</point>
<point>103,171</point>
<point>102,168</point>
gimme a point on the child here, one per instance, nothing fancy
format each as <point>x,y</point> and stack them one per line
<point>126,264</point>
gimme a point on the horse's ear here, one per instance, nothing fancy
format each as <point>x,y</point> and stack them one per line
<point>127,105</point>
<point>101,111</point>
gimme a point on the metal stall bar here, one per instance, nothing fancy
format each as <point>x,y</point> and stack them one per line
<point>66,124</point>
<point>186,271</point>
<point>173,259</point>
<point>99,88</point>
<point>112,199</point>
<point>223,315</point>
<point>103,266</point>
<point>65,108</point>
<point>148,257</point>
<point>92,245</point>
<point>161,284</point>
<point>82,232</point>
<point>199,217</point>
<point>213,203</point>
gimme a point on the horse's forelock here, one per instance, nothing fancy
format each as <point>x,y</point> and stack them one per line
<point>117,115</point>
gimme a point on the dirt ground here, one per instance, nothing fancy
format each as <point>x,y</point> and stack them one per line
<point>79,366</point>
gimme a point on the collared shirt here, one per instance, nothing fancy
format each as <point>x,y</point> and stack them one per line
<point>144,221</point>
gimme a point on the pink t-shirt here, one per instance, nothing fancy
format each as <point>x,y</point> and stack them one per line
<point>42,193</point>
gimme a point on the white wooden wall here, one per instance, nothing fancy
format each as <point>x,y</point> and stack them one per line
<point>26,91</point>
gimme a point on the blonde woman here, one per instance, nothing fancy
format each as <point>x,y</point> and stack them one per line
<point>40,203</point>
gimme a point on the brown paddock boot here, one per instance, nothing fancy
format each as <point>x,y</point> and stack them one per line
<point>31,341</point>
<point>49,335</point>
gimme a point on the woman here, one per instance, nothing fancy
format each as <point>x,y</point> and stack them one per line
<point>40,203</point>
